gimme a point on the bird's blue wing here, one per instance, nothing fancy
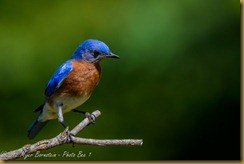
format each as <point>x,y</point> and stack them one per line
<point>57,78</point>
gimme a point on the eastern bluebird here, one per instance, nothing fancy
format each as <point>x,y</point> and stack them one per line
<point>72,83</point>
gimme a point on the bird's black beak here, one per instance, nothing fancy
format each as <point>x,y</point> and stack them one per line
<point>111,55</point>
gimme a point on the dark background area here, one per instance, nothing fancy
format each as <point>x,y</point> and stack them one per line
<point>176,86</point>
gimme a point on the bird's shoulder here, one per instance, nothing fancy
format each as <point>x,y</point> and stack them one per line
<point>80,81</point>
<point>58,77</point>
<point>74,77</point>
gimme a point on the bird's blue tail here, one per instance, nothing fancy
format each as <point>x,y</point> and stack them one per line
<point>35,128</point>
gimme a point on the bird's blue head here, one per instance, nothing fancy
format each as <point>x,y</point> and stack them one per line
<point>92,51</point>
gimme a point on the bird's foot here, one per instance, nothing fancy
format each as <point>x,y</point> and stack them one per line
<point>69,138</point>
<point>91,118</point>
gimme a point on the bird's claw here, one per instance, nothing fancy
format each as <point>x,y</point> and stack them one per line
<point>91,118</point>
<point>69,138</point>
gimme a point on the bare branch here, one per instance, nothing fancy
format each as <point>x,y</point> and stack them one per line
<point>63,138</point>
<point>108,142</point>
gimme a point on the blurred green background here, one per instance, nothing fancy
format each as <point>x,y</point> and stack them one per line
<point>176,86</point>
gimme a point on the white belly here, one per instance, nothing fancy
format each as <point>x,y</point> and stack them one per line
<point>51,112</point>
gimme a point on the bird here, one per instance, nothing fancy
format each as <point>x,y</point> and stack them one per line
<point>71,84</point>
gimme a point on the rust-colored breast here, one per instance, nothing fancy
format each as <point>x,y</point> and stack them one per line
<point>81,80</point>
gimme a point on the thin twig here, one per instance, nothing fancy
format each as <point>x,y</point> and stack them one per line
<point>63,138</point>
<point>110,142</point>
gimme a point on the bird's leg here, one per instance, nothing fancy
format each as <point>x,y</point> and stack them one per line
<point>91,117</point>
<point>60,116</point>
<point>61,120</point>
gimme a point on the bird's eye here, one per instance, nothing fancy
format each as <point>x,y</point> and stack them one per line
<point>96,53</point>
